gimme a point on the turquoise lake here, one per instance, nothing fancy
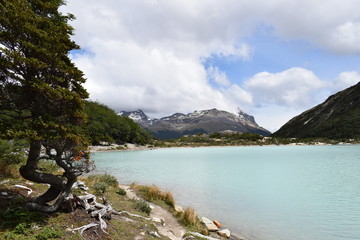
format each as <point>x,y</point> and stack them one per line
<point>263,193</point>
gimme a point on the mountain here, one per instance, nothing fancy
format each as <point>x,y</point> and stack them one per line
<point>338,117</point>
<point>139,117</point>
<point>205,121</point>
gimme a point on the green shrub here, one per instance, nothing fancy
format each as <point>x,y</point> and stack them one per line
<point>100,187</point>
<point>142,206</point>
<point>11,155</point>
<point>110,180</point>
<point>48,233</point>
<point>121,192</point>
<point>105,178</point>
<point>23,228</point>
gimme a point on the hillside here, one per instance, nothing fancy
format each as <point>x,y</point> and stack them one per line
<point>104,125</point>
<point>336,118</point>
<point>205,121</point>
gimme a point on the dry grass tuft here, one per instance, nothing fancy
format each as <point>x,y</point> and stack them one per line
<point>153,193</point>
<point>190,219</point>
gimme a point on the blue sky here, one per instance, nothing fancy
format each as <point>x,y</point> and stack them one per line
<point>272,54</point>
<point>271,58</point>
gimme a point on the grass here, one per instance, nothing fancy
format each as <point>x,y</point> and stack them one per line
<point>16,222</point>
<point>153,193</point>
<point>189,219</point>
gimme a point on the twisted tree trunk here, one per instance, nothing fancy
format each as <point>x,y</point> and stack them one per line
<point>29,172</point>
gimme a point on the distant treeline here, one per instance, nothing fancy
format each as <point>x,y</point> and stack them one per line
<point>104,125</point>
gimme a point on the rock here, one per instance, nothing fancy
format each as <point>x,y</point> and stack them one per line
<point>224,233</point>
<point>179,209</point>
<point>209,224</point>
<point>235,236</point>
<point>216,222</point>
<point>158,221</point>
<point>154,234</point>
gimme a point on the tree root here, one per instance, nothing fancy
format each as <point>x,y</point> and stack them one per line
<point>96,209</point>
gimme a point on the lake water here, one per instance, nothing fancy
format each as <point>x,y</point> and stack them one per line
<point>263,193</point>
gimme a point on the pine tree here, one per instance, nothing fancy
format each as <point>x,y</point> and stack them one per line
<point>42,94</point>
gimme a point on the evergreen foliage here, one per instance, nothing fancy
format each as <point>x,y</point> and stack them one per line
<point>104,125</point>
<point>42,94</point>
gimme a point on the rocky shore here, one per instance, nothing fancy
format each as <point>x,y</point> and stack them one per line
<point>169,226</point>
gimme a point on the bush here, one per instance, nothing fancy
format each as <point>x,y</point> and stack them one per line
<point>100,188</point>
<point>11,155</point>
<point>189,218</point>
<point>23,228</point>
<point>48,233</point>
<point>121,192</point>
<point>142,206</point>
<point>169,199</point>
<point>105,178</point>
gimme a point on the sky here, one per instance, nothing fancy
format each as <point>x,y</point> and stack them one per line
<point>272,59</point>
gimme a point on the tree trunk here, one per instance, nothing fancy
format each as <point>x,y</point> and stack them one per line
<point>29,172</point>
<point>46,208</point>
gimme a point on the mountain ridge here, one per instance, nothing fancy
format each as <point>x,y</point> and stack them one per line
<point>337,117</point>
<point>203,121</point>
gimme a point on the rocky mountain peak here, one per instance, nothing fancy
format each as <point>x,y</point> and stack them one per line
<point>205,121</point>
<point>138,116</point>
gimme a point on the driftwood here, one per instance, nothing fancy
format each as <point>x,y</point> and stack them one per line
<point>23,187</point>
<point>202,236</point>
<point>97,210</point>
<point>85,227</point>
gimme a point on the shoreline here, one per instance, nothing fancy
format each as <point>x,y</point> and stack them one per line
<point>135,147</point>
<point>169,225</point>
<point>230,223</point>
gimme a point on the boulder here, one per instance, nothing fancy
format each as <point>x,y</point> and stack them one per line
<point>216,222</point>
<point>179,209</point>
<point>209,224</point>
<point>159,221</point>
<point>224,233</point>
<point>154,234</point>
<point>235,236</point>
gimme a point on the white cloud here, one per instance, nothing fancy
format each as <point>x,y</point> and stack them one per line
<point>291,88</point>
<point>273,116</point>
<point>331,24</point>
<point>346,37</point>
<point>150,79</point>
<point>345,80</point>
<point>149,54</point>
<point>217,76</point>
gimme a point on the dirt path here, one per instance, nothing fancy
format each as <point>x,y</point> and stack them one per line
<point>170,227</point>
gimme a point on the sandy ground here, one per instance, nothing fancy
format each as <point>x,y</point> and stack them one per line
<point>170,228</point>
<point>115,147</point>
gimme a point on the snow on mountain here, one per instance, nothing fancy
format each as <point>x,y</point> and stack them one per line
<point>206,121</point>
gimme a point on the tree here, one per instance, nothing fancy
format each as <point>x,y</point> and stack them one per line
<point>104,125</point>
<point>41,94</point>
